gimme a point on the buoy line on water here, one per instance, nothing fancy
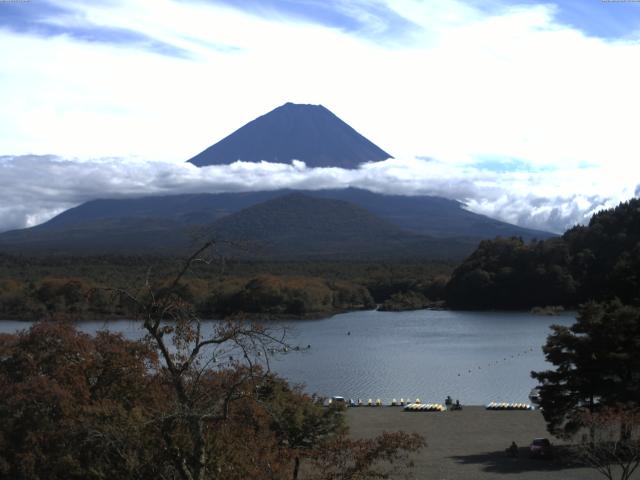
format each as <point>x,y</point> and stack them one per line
<point>495,363</point>
<point>419,406</point>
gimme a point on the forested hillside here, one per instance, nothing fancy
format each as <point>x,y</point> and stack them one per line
<point>87,287</point>
<point>599,261</point>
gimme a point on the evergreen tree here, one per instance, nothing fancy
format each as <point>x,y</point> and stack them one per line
<point>596,365</point>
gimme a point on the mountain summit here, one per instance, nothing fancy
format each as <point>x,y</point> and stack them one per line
<point>310,133</point>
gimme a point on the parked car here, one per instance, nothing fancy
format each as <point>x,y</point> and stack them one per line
<point>540,448</point>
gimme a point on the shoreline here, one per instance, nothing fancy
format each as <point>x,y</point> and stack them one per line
<point>295,318</point>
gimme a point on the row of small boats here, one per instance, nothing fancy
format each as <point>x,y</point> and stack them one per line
<point>416,406</point>
<point>424,407</point>
<point>509,406</point>
<point>371,402</point>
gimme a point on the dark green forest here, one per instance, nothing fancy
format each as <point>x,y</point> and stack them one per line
<point>600,261</point>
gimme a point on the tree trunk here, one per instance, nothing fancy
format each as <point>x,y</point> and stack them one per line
<point>296,468</point>
<point>200,454</point>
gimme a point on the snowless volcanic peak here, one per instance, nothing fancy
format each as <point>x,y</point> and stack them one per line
<point>310,133</point>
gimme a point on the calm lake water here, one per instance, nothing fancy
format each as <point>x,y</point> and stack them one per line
<point>476,357</point>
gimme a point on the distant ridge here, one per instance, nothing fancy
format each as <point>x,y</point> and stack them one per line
<point>285,222</point>
<point>422,214</point>
<point>310,133</point>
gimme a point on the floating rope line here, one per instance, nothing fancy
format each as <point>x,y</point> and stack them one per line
<point>494,363</point>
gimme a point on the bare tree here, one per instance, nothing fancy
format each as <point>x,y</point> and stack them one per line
<point>188,358</point>
<point>613,444</point>
<point>365,459</point>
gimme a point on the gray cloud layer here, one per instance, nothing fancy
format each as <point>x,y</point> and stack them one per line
<point>35,188</point>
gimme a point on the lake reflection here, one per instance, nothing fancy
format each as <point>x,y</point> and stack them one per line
<point>476,357</point>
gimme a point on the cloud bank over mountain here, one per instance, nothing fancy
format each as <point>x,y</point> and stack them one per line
<point>35,188</point>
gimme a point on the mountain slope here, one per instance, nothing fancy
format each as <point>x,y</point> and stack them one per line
<point>126,235</point>
<point>184,209</point>
<point>289,226</point>
<point>173,224</point>
<point>427,215</point>
<point>310,133</point>
<point>299,225</point>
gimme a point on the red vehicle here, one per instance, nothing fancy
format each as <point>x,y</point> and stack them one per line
<point>540,448</point>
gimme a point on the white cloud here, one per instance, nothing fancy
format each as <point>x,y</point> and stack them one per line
<point>35,188</point>
<point>514,83</point>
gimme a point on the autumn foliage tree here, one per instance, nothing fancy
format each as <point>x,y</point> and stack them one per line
<point>60,387</point>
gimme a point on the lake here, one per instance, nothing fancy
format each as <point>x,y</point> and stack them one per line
<point>476,357</point>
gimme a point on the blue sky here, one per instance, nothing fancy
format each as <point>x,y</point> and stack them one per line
<point>599,18</point>
<point>605,19</point>
<point>50,19</point>
<point>526,111</point>
<point>371,19</point>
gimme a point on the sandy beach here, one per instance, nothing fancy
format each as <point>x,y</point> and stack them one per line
<point>470,444</point>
